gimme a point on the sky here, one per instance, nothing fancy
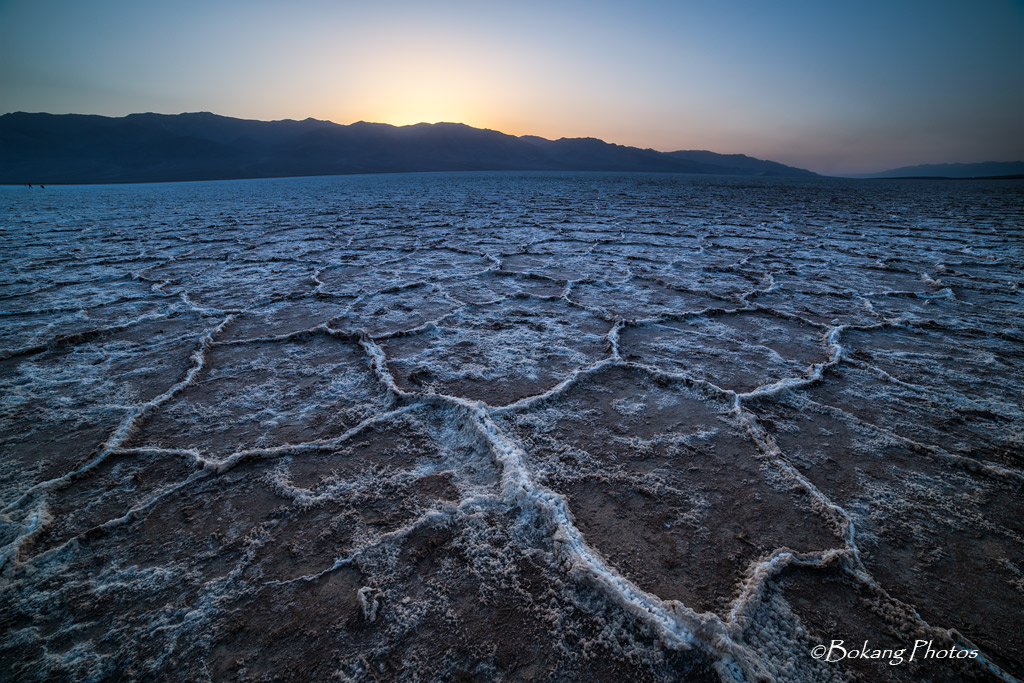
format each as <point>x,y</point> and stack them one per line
<point>836,87</point>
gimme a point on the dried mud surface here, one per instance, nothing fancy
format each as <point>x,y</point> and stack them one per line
<point>511,427</point>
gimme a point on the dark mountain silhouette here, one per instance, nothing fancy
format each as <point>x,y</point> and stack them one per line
<point>738,164</point>
<point>75,148</point>
<point>985,169</point>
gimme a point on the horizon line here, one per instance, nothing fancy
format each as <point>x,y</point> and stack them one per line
<point>858,175</point>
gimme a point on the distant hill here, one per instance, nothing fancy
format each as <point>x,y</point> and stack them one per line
<point>75,148</point>
<point>984,169</point>
<point>738,164</point>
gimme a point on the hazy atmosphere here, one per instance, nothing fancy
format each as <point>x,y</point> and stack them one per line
<point>850,89</point>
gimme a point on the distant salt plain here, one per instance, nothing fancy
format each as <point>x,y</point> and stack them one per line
<point>511,427</point>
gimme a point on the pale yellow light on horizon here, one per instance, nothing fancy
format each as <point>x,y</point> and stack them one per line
<point>424,102</point>
<point>423,79</point>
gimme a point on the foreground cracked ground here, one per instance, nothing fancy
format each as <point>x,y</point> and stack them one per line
<point>511,427</point>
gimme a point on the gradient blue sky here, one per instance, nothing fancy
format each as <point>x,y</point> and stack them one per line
<point>834,87</point>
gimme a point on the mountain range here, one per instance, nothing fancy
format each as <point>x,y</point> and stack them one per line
<point>985,169</point>
<point>77,148</point>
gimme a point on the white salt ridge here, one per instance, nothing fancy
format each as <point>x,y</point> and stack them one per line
<point>641,253</point>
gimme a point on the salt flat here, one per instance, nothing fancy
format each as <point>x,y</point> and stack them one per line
<point>511,427</point>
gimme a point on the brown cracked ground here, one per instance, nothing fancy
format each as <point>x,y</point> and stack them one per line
<point>669,438</point>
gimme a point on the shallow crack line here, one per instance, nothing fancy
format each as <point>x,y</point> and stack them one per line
<point>37,521</point>
<point>81,337</point>
<point>727,395</point>
<point>968,463</point>
<point>919,388</point>
<point>815,375</point>
<point>188,453</point>
<point>681,316</point>
<point>974,465</point>
<point>287,336</point>
<point>220,466</point>
<point>128,424</point>
<point>56,285</point>
<point>945,293</point>
<point>785,315</point>
<point>428,326</point>
<point>54,310</point>
<point>909,612</point>
<point>530,401</point>
<point>446,513</point>
<point>111,524</point>
<point>229,462</point>
<point>378,364</point>
<point>963,643</point>
<point>203,310</point>
<point>833,512</point>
